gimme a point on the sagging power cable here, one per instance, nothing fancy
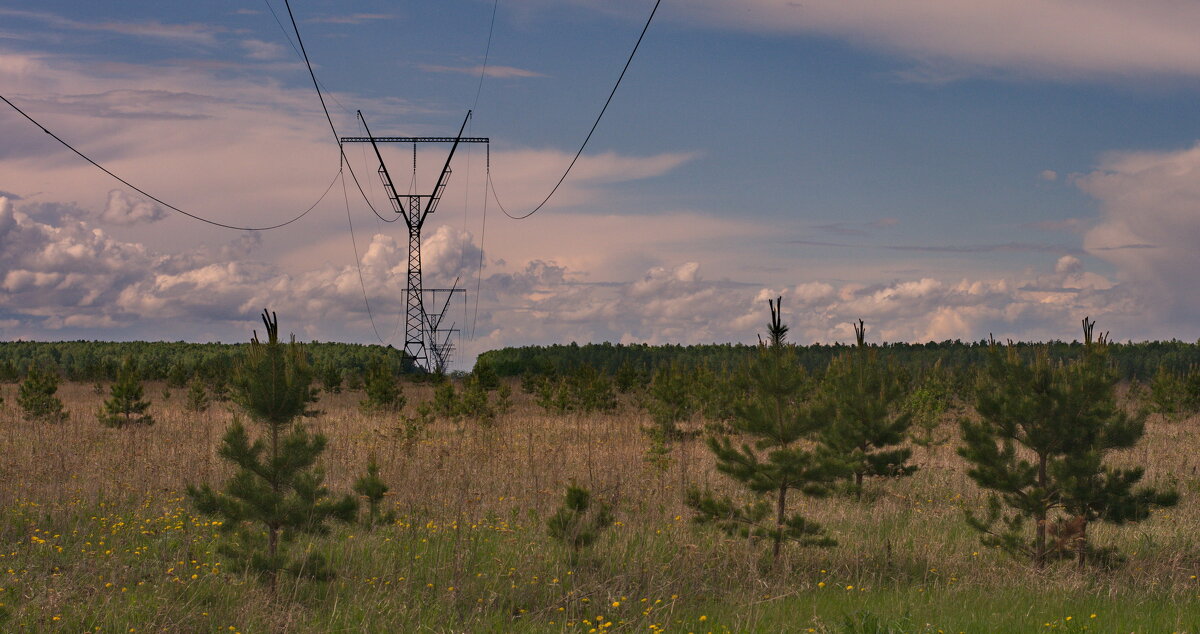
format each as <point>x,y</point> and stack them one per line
<point>608,101</point>
<point>152,196</point>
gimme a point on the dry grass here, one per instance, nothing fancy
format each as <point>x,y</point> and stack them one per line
<point>472,503</point>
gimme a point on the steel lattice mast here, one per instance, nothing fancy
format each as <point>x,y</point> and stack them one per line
<point>424,342</point>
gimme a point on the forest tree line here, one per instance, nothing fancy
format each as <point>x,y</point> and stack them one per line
<point>1140,360</point>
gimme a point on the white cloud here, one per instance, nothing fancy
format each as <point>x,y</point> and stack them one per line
<point>260,50</point>
<point>1150,226</point>
<point>353,18</point>
<point>192,33</point>
<point>499,72</point>
<point>951,38</point>
<point>64,274</point>
<point>123,209</point>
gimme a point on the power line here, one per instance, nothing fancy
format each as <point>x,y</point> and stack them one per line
<point>358,262</point>
<point>486,53</point>
<point>590,132</point>
<point>360,187</point>
<point>153,197</point>
<point>288,37</point>
<point>343,161</point>
<point>483,228</point>
<point>482,235</point>
<point>308,64</point>
<point>325,108</point>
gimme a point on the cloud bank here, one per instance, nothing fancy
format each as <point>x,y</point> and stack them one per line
<point>64,275</point>
<point>947,39</point>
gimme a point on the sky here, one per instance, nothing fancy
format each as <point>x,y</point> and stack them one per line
<point>939,169</point>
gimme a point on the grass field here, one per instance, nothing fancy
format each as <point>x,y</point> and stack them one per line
<point>97,535</point>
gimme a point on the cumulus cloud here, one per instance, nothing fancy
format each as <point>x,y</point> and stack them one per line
<point>948,39</point>
<point>123,209</point>
<point>1150,225</point>
<point>70,277</point>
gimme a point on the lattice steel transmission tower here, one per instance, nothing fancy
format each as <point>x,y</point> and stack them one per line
<point>427,343</point>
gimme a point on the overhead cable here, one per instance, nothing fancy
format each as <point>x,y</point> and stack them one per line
<point>590,132</point>
<point>358,262</point>
<point>483,227</point>
<point>155,198</point>
<point>343,161</point>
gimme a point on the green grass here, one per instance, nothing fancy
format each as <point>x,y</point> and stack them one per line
<point>151,567</point>
<point>94,530</point>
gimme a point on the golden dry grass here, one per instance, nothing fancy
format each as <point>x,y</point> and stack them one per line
<point>907,536</point>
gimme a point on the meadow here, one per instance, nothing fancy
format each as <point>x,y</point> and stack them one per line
<point>96,534</point>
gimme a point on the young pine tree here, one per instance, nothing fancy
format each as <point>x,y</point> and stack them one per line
<point>577,523</point>
<point>776,457</point>
<point>1039,445</point>
<point>36,396</point>
<point>671,400</point>
<point>276,492</point>
<point>125,405</point>
<point>1168,395</point>
<point>382,390</point>
<point>862,397</point>
<point>197,396</point>
<point>373,488</point>
<point>473,402</point>
<point>331,378</point>
<point>928,404</point>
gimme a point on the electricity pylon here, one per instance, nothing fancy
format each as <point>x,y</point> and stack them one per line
<point>426,343</point>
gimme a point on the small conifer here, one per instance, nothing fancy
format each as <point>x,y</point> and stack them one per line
<point>37,399</point>
<point>331,378</point>
<point>862,396</point>
<point>276,492</point>
<point>373,488</point>
<point>576,523</point>
<point>125,405</point>
<point>1044,431</point>
<point>473,402</point>
<point>382,390</point>
<point>197,396</point>
<point>777,457</point>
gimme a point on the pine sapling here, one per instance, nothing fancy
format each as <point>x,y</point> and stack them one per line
<point>1039,446</point>
<point>383,393</point>
<point>276,492</point>
<point>577,524</point>
<point>777,456</point>
<point>372,487</point>
<point>197,396</point>
<point>125,405</point>
<point>862,397</point>
<point>36,396</point>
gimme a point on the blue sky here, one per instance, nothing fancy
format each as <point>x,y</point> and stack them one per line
<point>940,169</point>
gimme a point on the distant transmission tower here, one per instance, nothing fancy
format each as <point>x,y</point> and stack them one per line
<point>427,344</point>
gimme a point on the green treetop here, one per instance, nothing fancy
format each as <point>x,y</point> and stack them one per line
<point>36,396</point>
<point>775,458</point>
<point>862,398</point>
<point>125,405</point>
<point>1039,445</point>
<point>276,491</point>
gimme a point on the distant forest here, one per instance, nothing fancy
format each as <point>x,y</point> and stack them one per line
<point>1133,360</point>
<point>177,361</point>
